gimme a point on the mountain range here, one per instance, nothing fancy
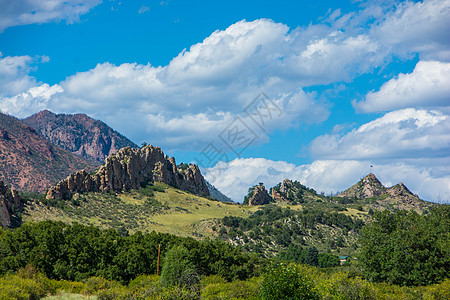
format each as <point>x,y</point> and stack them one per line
<point>29,162</point>
<point>142,189</point>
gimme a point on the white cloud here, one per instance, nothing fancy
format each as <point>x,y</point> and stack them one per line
<point>24,12</point>
<point>427,86</point>
<point>407,133</point>
<point>417,27</point>
<point>14,76</point>
<point>327,176</point>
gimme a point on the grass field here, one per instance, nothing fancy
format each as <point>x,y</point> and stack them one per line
<point>167,210</point>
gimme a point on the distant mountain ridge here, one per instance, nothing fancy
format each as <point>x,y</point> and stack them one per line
<point>216,194</point>
<point>80,134</point>
<point>29,162</point>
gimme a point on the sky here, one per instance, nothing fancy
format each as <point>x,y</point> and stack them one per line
<point>323,92</point>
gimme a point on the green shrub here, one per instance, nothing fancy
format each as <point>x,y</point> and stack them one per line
<point>287,282</point>
<point>238,289</point>
<point>341,287</point>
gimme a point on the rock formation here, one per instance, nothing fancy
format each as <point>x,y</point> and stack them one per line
<point>79,134</point>
<point>367,187</point>
<point>10,206</point>
<point>131,169</point>
<point>260,196</point>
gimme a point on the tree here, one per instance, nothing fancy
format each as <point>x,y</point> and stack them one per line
<point>406,248</point>
<point>178,268</point>
<point>327,260</point>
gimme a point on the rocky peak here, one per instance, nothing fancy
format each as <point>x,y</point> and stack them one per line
<point>131,169</point>
<point>367,187</point>
<point>10,205</point>
<point>79,134</point>
<point>260,196</point>
<point>399,190</point>
<point>286,185</point>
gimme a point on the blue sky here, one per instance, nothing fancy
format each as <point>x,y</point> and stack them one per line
<point>342,88</point>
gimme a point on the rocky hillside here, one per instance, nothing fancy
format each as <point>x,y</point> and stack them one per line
<point>131,169</point>
<point>79,134</point>
<point>29,162</point>
<point>10,206</point>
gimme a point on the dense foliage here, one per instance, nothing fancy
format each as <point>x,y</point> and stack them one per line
<point>77,252</point>
<point>406,248</point>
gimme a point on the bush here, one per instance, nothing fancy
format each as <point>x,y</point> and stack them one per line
<point>286,282</point>
<point>232,290</point>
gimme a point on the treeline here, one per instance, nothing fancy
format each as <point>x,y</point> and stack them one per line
<point>77,252</point>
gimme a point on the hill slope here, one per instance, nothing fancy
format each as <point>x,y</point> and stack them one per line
<point>79,134</point>
<point>29,162</point>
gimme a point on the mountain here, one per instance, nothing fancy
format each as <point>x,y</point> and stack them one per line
<point>29,162</point>
<point>216,194</point>
<point>367,187</point>
<point>10,206</point>
<point>132,169</point>
<point>79,134</point>
<point>379,197</point>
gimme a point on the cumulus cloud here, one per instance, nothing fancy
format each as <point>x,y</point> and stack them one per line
<point>407,133</point>
<point>327,176</point>
<point>417,27</point>
<point>24,12</point>
<point>193,98</point>
<point>14,76</point>
<point>427,86</point>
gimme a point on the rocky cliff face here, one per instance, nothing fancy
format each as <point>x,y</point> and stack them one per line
<point>29,162</point>
<point>79,134</point>
<point>260,196</point>
<point>10,205</point>
<point>131,169</point>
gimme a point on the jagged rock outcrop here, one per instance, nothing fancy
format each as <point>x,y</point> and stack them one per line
<point>367,187</point>
<point>79,134</point>
<point>131,169</point>
<point>293,192</point>
<point>260,196</point>
<point>10,206</point>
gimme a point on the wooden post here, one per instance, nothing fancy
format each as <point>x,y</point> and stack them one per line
<point>159,252</point>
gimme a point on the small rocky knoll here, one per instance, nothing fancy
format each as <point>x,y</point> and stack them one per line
<point>131,169</point>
